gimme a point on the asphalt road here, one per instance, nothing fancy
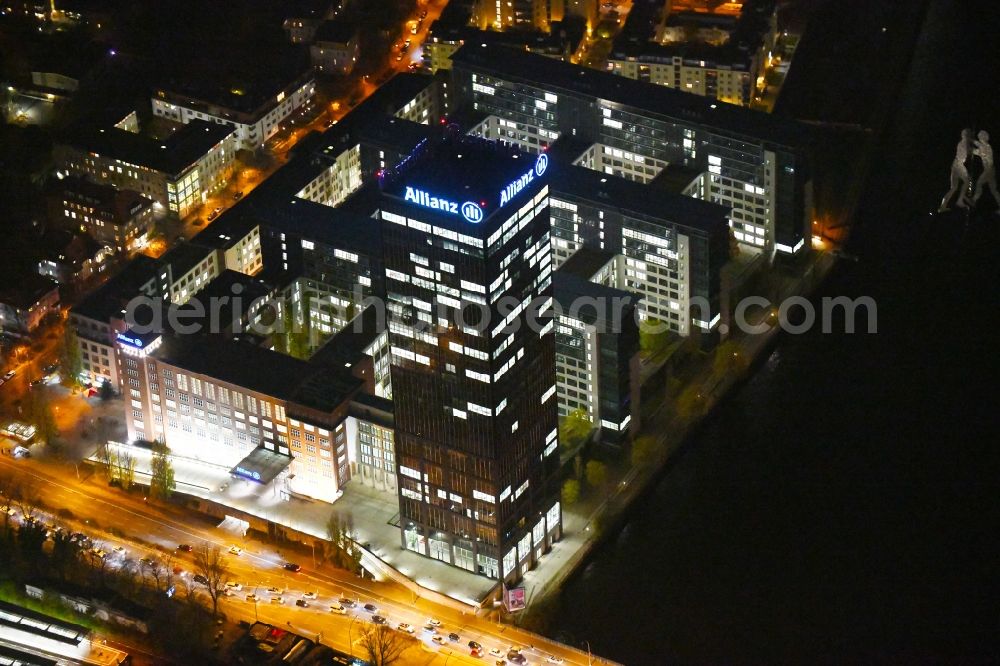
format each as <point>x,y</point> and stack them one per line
<point>152,530</point>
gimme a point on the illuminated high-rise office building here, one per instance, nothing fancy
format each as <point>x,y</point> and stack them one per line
<point>465,226</point>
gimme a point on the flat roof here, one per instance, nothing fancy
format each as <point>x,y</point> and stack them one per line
<point>656,204</point>
<point>171,155</point>
<point>463,169</point>
<point>238,363</point>
<point>109,299</point>
<point>348,345</point>
<point>262,465</point>
<point>184,256</point>
<point>586,261</point>
<point>40,624</point>
<point>593,303</point>
<point>562,77</point>
<point>337,227</point>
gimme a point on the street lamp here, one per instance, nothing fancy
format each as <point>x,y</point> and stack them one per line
<point>590,658</point>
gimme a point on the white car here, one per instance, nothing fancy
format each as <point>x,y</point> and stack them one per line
<point>275,590</point>
<point>434,623</point>
<point>552,659</point>
<point>496,652</point>
<point>309,595</point>
<point>234,586</point>
<point>277,600</point>
<point>235,550</point>
<point>119,549</point>
<point>338,609</point>
<point>408,628</point>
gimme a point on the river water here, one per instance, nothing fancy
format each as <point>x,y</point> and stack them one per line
<point>842,505</point>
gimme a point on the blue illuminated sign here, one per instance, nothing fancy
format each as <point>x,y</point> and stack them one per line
<point>242,471</point>
<point>470,210</point>
<point>515,187</point>
<point>134,342</point>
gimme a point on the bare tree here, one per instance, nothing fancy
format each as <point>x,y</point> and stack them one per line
<point>385,645</point>
<point>210,562</point>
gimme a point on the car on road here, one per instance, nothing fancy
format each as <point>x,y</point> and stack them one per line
<point>275,590</point>
<point>10,511</point>
<point>439,639</point>
<point>252,597</point>
<point>514,656</point>
<point>235,550</point>
<point>302,603</point>
<point>371,608</point>
<point>431,628</point>
<point>475,646</point>
<point>234,586</point>
<point>476,652</point>
<point>277,600</point>
<point>338,609</point>
<point>347,603</point>
<point>291,566</point>
<point>309,595</point>
<point>50,368</point>
<point>453,636</point>
<point>99,553</point>
<point>432,622</point>
<point>378,619</point>
<point>185,547</point>
<point>496,652</point>
<point>119,549</point>
<point>552,659</point>
<point>237,196</point>
<point>404,626</point>
<point>10,375</point>
<point>500,662</point>
<point>198,578</point>
<point>399,57</point>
